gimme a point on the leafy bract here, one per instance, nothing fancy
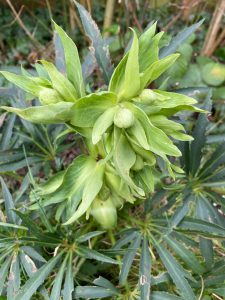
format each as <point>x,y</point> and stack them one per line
<point>73,66</point>
<point>53,113</point>
<point>87,110</point>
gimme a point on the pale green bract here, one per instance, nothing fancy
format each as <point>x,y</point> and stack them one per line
<point>125,128</point>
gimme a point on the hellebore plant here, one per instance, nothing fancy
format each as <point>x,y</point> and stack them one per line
<point>126,128</point>
<point>50,242</point>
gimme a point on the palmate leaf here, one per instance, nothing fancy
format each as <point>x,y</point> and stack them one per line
<point>100,47</point>
<point>176,272</point>
<point>30,287</point>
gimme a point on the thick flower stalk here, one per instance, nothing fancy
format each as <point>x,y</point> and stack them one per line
<point>126,128</point>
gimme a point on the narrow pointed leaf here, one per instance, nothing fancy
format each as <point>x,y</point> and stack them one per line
<point>128,259</point>
<point>176,272</point>
<point>100,47</point>
<point>92,254</point>
<point>145,270</point>
<point>68,284</point>
<point>73,66</point>
<point>30,287</point>
<point>56,289</point>
<point>179,39</point>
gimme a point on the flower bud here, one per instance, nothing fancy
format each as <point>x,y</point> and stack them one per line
<point>148,96</point>
<point>104,212</point>
<point>139,164</point>
<point>124,118</point>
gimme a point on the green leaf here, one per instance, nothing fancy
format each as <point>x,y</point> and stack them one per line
<point>28,264</point>
<point>101,281</point>
<point>124,240</point>
<point>102,124</point>
<point>128,259</point>
<point>30,287</point>
<point>201,227</point>
<point>9,204</point>
<point>203,212</point>
<point>156,69</point>
<point>86,237</point>
<point>88,109</point>
<point>219,291</point>
<point>149,47</point>
<point>137,133</point>
<point>14,226</point>
<point>212,163</point>
<point>92,187</point>
<point>179,39</point>
<point>7,133</point>
<point>93,292</point>
<point>47,114</point>
<point>176,272</point>
<point>60,83</point>
<point>186,255</point>
<point>68,284</point>
<point>73,181</point>
<point>93,254</point>
<point>73,66</point>
<point>164,296</point>
<point>125,81</point>
<point>32,85</point>
<point>4,272</point>
<point>145,270</point>
<point>131,76</point>
<point>52,184</point>
<point>33,253</point>
<point>158,141</point>
<point>199,137</point>
<point>14,279</point>
<point>101,50</point>
<point>56,289</point>
<point>124,158</point>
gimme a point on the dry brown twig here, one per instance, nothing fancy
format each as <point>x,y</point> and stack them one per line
<point>22,25</point>
<point>212,39</point>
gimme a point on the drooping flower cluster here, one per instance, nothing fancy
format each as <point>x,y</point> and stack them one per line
<point>125,128</point>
